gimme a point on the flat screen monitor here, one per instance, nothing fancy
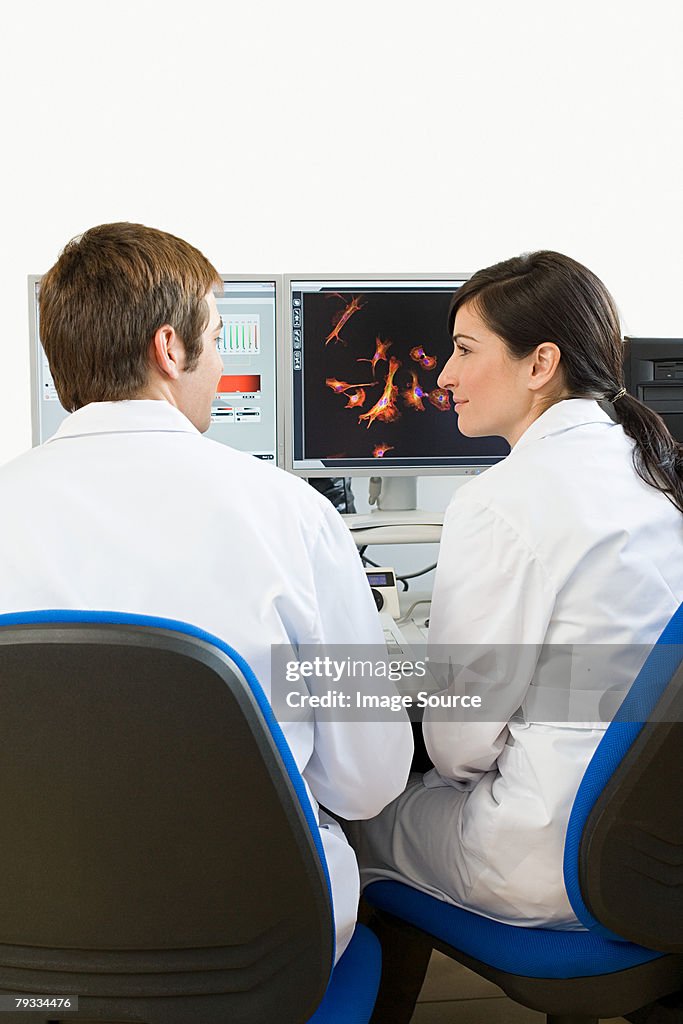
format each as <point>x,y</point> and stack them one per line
<point>363,354</point>
<point>244,411</point>
<point>653,369</point>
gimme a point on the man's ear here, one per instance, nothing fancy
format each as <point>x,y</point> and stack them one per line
<point>544,366</point>
<point>167,352</point>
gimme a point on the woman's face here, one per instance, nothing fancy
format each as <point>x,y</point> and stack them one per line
<point>490,388</point>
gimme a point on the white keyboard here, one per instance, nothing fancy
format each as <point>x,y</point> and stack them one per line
<point>397,645</point>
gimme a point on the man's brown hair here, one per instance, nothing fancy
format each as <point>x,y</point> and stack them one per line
<point>104,299</point>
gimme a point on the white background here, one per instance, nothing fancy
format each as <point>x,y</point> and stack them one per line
<point>356,136</point>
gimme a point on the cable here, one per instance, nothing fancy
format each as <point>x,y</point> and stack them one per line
<point>364,560</point>
<point>369,561</point>
<point>413,575</point>
<point>406,615</point>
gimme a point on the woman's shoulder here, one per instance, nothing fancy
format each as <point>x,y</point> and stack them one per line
<point>555,484</point>
<point>556,468</point>
<point>513,480</point>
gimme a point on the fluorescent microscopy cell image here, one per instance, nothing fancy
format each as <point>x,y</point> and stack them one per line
<point>381,349</point>
<point>420,356</point>
<point>342,318</point>
<point>385,408</point>
<point>413,395</point>
<point>440,399</point>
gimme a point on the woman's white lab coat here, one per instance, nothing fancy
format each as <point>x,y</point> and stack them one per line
<point>560,544</point>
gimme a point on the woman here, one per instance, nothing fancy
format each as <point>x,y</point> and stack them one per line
<point>576,538</point>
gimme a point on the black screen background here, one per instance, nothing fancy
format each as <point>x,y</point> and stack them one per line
<point>407,319</point>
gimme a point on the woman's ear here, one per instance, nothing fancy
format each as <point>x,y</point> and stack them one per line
<point>544,366</point>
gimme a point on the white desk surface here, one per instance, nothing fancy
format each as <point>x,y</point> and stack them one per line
<point>366,529</point>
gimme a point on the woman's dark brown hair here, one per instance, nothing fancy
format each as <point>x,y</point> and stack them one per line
<point>545,296</point>
<point>105,298</point>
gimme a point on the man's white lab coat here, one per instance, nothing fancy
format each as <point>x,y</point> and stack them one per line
<point>129,508</point>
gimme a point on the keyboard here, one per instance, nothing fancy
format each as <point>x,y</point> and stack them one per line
<point>397,645</point>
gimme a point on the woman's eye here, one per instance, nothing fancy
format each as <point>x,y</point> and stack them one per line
<point>461,350</point>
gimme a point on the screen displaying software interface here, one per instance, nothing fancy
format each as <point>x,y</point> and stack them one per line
<point>365,359</point>
<point>243,413</point>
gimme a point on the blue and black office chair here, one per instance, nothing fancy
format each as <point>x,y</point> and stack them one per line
<point>159,857</point>
<point>623,869</point>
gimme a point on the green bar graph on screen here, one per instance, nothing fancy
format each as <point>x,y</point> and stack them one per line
<point>241,336</point>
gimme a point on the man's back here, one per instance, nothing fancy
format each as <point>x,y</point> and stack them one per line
<point>128,508</point>
<point>129,503</point>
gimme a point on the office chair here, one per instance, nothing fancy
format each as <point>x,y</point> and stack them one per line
<point>159,857</point>
<point>623,870</point>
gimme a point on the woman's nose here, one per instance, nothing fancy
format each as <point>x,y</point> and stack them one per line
<point>447,375</point>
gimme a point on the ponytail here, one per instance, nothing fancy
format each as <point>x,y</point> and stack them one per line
<point>657,456</point>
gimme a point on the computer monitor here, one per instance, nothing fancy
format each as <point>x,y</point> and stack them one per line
<point>244,411</point>
<point>653,369</point>
<point>361,362</point>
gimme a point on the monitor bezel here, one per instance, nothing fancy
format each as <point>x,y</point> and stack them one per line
<point>277,280</point>
<point>470,469</point>
<point>34,340</point>
<point>34,344</point>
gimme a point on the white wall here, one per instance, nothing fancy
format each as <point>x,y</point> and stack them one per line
<point>355,136</point>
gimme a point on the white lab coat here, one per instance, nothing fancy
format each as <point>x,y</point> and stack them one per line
<point>561,543</point>
<point>129,508</point>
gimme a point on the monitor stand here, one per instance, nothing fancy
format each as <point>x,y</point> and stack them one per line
<point>393,493</point>
<point>395,499</point>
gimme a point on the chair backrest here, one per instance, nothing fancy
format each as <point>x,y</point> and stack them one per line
<point>624,849</point>
<point>156,834</point>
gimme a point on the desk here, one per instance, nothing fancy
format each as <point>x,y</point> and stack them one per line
<point>414,527</point>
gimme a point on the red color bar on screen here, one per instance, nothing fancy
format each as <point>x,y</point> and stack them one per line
<point>239,383</point>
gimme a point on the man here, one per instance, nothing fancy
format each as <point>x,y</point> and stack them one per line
<point>128,508</point>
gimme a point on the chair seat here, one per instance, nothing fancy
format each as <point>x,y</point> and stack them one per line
<point>185,713</point>
<point>351,993</point>
<point>529,952</point>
